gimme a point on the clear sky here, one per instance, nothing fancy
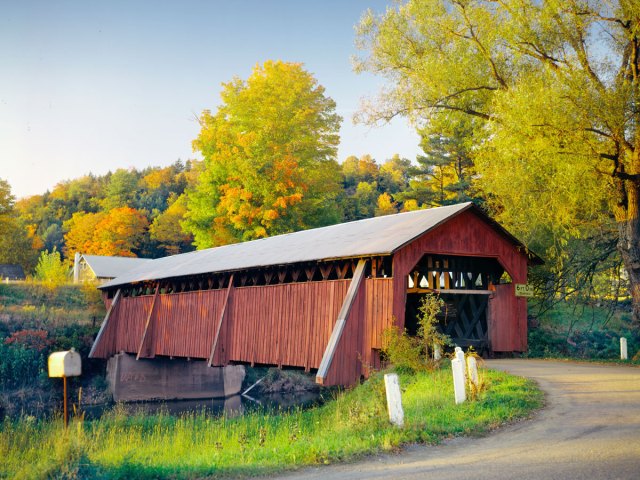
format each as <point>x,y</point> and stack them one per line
<point>88,86</point>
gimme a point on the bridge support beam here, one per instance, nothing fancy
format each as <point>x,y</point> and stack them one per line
<point>339,327</point>
<point>216,338</point>
<point>145,349</point>
<point>103,327</point>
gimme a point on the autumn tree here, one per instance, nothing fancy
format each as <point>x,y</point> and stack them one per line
<point>269,154</point>
<point>549,91</point>
<point>118,232</point>
<point>166,228</point>
<point>386,205</point>
<point>80,230</point>
<point>370,189</point>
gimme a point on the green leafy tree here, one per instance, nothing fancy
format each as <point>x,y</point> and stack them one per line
<point>51,270</point>
<point>122,189</point>
<point>549,91</point>
<point>416,353</point>
<point>269,154</point>
<point>395,174</point>
<point>443,174</point>
<point>16,241</point>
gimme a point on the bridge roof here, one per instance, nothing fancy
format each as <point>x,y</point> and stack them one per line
<point>369,237</point>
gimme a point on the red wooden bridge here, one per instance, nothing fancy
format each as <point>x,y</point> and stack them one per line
<point>320,299</point>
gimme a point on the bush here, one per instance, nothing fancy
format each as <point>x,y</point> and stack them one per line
<point>20,365</point>
<point>410,353</point>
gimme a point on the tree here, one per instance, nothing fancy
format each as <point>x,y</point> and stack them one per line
<point>356,170</point>
<point>395,174</point>
<point>443,174</point>
<point>269,153</point>
<point>7,200</point>
<point>118,232</point>
<point>386,205</point>
<point>549,91</point>
<point>166,228</point>
<point>80,230</point>
<point>122,189</point>
<point>16,242</point>
<point>51,270</point>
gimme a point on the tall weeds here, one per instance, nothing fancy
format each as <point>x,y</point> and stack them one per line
<point>416,353</point>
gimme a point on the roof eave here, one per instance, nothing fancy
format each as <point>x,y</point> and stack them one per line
<point>328,259</point>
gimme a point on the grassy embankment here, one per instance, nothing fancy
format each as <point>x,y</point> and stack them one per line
<point>195,446</point>
<point>35,321</point>
<point>590,333</point>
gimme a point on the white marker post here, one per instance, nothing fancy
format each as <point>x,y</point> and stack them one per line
<point>472,371</point>
<point>437,352</point>
<point>623,349</point>
<point>460,356</point>
<point>394,399</point>
<point>458,380</point>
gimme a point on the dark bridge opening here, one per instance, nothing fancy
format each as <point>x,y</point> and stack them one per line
<point>465,284</point>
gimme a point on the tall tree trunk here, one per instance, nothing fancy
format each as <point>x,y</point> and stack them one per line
<point>629,241</point>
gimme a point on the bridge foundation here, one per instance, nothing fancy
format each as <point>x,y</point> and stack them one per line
<point>170,379</point>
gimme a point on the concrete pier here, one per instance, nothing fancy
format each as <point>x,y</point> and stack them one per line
<point>170,379</point>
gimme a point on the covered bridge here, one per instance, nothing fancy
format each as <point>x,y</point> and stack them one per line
<point>320,299</point>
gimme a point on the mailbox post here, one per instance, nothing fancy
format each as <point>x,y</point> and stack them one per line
<point>63,365</point>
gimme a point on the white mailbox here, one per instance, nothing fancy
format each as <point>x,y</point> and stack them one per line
<point>65,364</point>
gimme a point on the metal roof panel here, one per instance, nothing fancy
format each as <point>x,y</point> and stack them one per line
<point>372,236</point>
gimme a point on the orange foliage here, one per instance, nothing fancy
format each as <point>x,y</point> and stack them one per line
<point>36,240</point>
<point>158,178</point>
<point>115,233</point>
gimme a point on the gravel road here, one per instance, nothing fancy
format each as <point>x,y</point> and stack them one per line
<point>590,429</point>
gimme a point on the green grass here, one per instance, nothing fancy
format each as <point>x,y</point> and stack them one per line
<point>585,332</point>
<point>197,445</point>
<point>32,305</point>
<point>575,316</point>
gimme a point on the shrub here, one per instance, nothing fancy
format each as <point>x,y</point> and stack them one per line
<point>33,339</point>
<point>20,365</point>
<point>410,353</point>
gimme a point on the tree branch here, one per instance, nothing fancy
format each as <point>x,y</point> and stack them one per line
<point>468,111</point>
<point>481,47</point>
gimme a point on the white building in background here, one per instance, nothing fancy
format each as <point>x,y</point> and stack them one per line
<point>89,268</point>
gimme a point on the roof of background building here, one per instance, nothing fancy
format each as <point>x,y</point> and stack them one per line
<point>112,267</point>
<point>11,271</point>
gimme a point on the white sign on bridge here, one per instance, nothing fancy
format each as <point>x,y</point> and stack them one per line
<point>524,290</point>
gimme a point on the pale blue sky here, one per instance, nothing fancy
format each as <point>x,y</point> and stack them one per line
<point>89,86</point>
